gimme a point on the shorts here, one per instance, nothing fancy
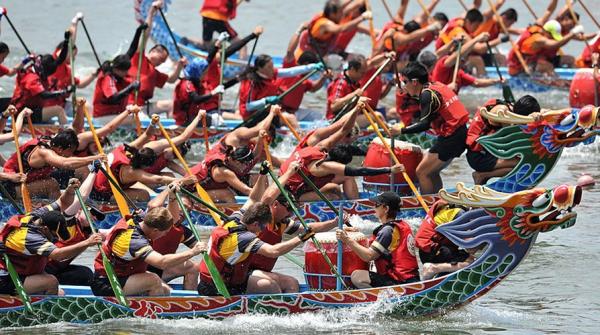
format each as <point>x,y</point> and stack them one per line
<point>444,254</point>
<point>101,285</point>
<point>378,280</point>
<point>36,117</point>
<point>208,289</point>
<point>79,275</point>
<point>452,146</point>
<point>7,286</point>
<point>210,26</point>
<point>153,269</point>
<point>481,161</point>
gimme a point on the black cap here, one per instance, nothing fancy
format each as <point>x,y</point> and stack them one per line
<point>56,223</point>
<point>390,199</point>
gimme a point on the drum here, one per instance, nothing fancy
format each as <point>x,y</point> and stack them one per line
<point>408,154</point>
<point>317,272</point>
<point>582,88</point>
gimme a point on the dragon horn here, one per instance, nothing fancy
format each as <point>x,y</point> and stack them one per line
<point>478,196</point>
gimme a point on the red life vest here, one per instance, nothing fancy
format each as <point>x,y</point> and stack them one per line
<point>340,87</point>
<point>252,91</point>
<point>273,234</point>
<point>106,86</point>
<point>309,41</point>
<point>304,141</point>
<point>25,265</point>
<point>585,59</point>
<point>233,275</point>
<point>76,236</point>
<point>122,267</point>
<point>59,80</point>
<point>150,78</point>
<point>415,47</point>
<point>401,265</point>
<point>530,54</point>
<point>120,158</point>
<point>452,114</point>
<point>305,157</point>
<point>33,174</point>
<point>427,237</point>
<point>406,107</point>
<point>480,127</point>
<point>160,164</point>
<point>203,170</point>
<point>28,89</point>
<point>227,8</point>
<point>169,243</point>
<point>345,37</point>
<point>447,33</point>
<point>374,90</point>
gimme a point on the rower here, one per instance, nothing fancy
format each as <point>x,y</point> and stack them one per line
<point>443,70</point>
<point>41,156</point>
<point>494,28</point>
<point>280,225</point>
<point>585,58</point>
<point>128,246</point>
<point>223,172</point>
<point>390,247</point>
<point>485,164</point>
<point>29,242</point>
<point>352,9</point>
<point>61,78</point>
<point>78,229</point>
<point>379,87</point>
<point>5,71</point>
<point>150,78</point>
<point>443,112</point>
<point>232,246</point>
<point>258,87</point>
<point>178,234</point>
<point>437,253</point>
<point>112,88</point>
<point>327,169</point>
<point>32,87</point>
<point>291,102</point>
<point>9,137</point>
<point>324,28</point>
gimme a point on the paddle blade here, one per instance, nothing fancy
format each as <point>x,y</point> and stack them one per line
<point>507,93</point>
<point>216,276</point>
<point>114,281</point>
<point>119,198</point>
<point>18,286</point>
<point>26,198</point>
<point>206,197</point>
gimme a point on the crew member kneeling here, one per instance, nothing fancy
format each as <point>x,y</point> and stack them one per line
<point>390,248</point>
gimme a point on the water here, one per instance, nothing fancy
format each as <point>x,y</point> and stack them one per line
<point>553,291</point>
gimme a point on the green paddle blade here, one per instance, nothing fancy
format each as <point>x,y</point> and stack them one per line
<point>113,280</point>
<point>507,93</point>
<point>18,285</point>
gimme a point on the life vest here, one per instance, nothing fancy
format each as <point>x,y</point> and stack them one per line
<point>345,37</point>
<point>452,29</point>
<point>28,88</point>
<point>76,235</point>
<point>428,239</point>
<point>305,157</point>
<point>252,91</point>
<point>452,114</point>
<point>304,141</point>
<point>415,47</point>
<point>401,264</point>
<point>169,243</point>
<point>481,127</point>
<point>33,174</point>
<point>310,39</point>
<point>585,58</point>
<point>340,87</point>
<point>225,9</point>
<point>160,164</point>
<point>272,235</point>
<point>184,110</point>
<point>120,158</point>
<point>490,26</point>
<point>25,265</point>
<point>388,42</point>
<point>373,91</point>
<point>407,107</point>
<point>203,171</point>
<point>531,55</point>
<point>122,267</point>
<point>233,275</point>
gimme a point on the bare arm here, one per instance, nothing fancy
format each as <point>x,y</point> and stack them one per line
<point>365,253</point>
<point>274,251</point>
<point>485,82</point>
<point>488,14</point>
<point>9,137</point>
<point>272,192</point>
<point>144,138</point>
<point>330,141</point>
<point>293,43</point>
<point>422,18</point>
<point>174,75</point>
<point>399,17</point>
<point>176,168</point>
<point>131,175</point>
<point>224,175</point>
<point>548,13</point>
<point>165,261</point>
<point>69,163</point>
<point>161,145</point>
<point>87,80</point>
<point>64,253</point>
<point>243,134</point>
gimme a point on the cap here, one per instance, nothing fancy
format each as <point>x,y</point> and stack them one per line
<point>195,68</point>
<point>390,199</point>
<point>554,29</point>
<point>427,58</point>
<point>56,223</point>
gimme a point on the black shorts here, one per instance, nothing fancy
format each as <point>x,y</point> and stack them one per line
<point>208,289</point>
<point>71,274</point>
<point>7,286</point>
<point>481,161</point>
<point>452,146</point>
<point>153,269</point>
<point>444,254</point>
<point>210,26</point>
<point>101,285</point>
<point>4,103</point>
<point>378,280</point>
<point>36,117</point>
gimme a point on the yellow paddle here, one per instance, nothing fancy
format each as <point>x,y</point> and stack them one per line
<point>24,189</point>
<point>404,174</point>
<point>371,25</point>
<point>288,124</point>
<point>121,202</point>
<point>267,152</point>
<point>201,192</point>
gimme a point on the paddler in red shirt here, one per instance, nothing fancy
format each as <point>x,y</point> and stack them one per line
<point>112,89</point>
<point>352,10</point>
<point>493,27</point>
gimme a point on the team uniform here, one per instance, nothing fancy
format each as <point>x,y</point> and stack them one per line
<point>407,107</point>
<point>340,87</point>
<point>454,28</point>
<point>252,91</point>
<point>28,89</point>
<point>477,157</point>
<point>585,58</point>
<point>444,74</point>
<point>33,174</point>
<point>305,157</point>
<point>215,17</point>
<point>102,190</point>
<point>291,102</point>
<point>168,244</point>
<point>492,27</point>
<point>313,40</point>
<point>272,234</point>
<point>108,85</point>
<point>60,80</point>
<point>150,78</point>
<point>531,54</point>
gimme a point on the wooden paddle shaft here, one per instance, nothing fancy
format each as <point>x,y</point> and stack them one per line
<point>267,151</point>
<point>585,8</point>
<point>162,14</point>
<point>462,4</point>
<point>371,25</point>
<point>457,64</point>
<point>424,8</point>
<point>531,9</point>
<point>24,189</point>
<point>387,9</point>
<point>205,131</point>
<point>288,124</point>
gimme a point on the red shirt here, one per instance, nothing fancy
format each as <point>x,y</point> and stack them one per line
<point>407,107</point>
<point>374,90</point>
<point>184,110</point>
<point>211,80</point>
<point>249,91</point>
<point>444,75</point>
<point>27,91</point>
<point>150,78</point>
<point>3,70</point>
<point>106,86</point>
<point>59,80</point>
<point>339,88</point>
<point>292,101</point>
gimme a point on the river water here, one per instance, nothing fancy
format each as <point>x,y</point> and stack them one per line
<point>553,291</point>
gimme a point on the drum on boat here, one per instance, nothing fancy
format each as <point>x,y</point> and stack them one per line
<point>410,155</point>
<point>317,272</point>
<point>582,88</point>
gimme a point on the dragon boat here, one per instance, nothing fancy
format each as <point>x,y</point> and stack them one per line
<point>503,225</point>
<point>537,144</point>
<point>160,34</point>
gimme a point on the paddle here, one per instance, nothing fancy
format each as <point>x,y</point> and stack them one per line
<point>87,34</point>
<point>462,4</point>
<point>348,106</point>
<point>162,15</point>
<point>222,72</point>
<point>225,217</point>
<point>585,8</point>
<point>214,273</point>
<point>73,83</point>
<point>506,90</point>
<point>505,30</point>
<point>531,9</point>
<point>16,32</point>
<point>387,9</point>
<point>320,194</point>
<point>267,151</point>
<point>371,25</point>
<point>340,250</point>
<point>110,271</point>
<point>306,227</point>
<point>14,276</point>
<point>425,10</point>
<point>119,199</point>
<point>457,64</point>
<point>393,154</point>
<point>118,188</point>
<point>24,189</point>
<point>201,192</point>
<point>288,124</point>
<point>138,75</point>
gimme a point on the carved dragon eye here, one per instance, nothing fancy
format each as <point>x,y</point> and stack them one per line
<point>567,120</point>
<point>541,200</point>
<point>561,194</point>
